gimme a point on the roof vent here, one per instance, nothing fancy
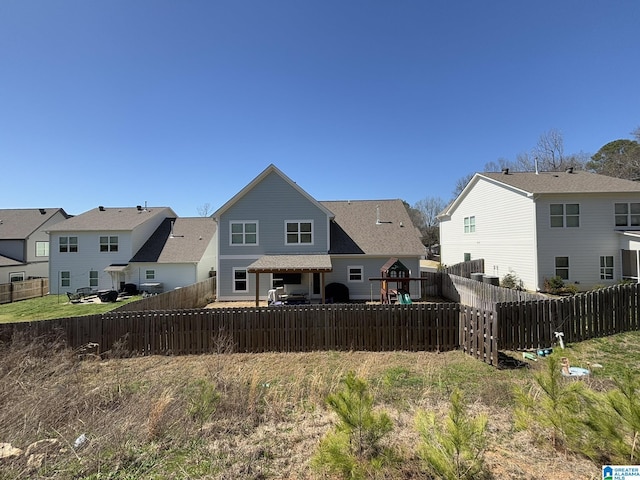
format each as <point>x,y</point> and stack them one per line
<point>101,208</point>
<point>505,171</point>
<point>43,211</point>
<point>139,207</point>
<point>570,170</point>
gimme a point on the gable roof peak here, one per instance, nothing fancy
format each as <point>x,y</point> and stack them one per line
<point>267,171</point>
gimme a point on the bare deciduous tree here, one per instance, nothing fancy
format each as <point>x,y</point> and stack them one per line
<point>425,218</point>
<point>204,210</point>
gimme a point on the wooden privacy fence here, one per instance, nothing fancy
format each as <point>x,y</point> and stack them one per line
<point>532,324</point>
<point>417,327</point>
<point>14,291</point>
<point>192,296</point>
<point>482,295</point>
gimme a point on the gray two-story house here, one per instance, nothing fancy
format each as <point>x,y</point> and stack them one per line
<point>24,242</point>
<point>273,233</point>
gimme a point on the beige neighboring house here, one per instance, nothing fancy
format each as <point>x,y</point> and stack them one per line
<point>580,226</point>
<point>24,242</point>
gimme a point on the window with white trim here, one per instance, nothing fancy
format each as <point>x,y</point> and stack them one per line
<point>469,224</point>
<point>240,280</point>
<point>42,249</point>
<point>109,243</point>
<point>564,215</point>
<point>562,267</point>
<point>243,233</point>
<point>16,277</point>
<point>299,232</point>
<point>627,214</point>
<point>355,273</point>
<point>93,278</point>
<point>65,279</point>
<point>606,267</point>
<point>68,244</point>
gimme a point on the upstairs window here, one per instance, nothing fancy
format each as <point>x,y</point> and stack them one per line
<point>299,232</point>
<point>564,215</point>
<point>42,249</point>
<point>627,214</point>
<point>109,244</point>
<point>469,224</point>
<point>68,244</point>
<point>244,233</point>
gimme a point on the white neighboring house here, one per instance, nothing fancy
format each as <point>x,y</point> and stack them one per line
<point>94,249</point>
<point>182,251</point>
<point>578,225</point>
<point>24,243</point>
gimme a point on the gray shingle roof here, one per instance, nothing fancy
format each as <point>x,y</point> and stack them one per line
<point>9,262</point>
<point>191,237</point>
<point>355,229</point>
<point>298,263</point>
<point>18,224</point>
<point>562,182</point>
<point>111,219</point>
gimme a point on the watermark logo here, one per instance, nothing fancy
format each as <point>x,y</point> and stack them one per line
<point>621,472</point>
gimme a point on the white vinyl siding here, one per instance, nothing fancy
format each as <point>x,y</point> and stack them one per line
<point>505,231</point>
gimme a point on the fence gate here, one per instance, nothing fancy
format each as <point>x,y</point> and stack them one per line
<point>478,334</point>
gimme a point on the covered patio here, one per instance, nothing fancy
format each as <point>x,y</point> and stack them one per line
<point>287,264</point>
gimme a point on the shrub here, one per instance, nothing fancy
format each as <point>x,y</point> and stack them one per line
<point>556,286</point>
<point>354,448</point>
<point>202,399</point>
<point>511,280</point>
<point>552,407</point>
<point>453,449</point>
<point>614,419</point>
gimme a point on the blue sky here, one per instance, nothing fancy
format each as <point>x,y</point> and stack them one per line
<point>182,103</point>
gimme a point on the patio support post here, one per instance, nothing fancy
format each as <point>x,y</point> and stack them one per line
<point>257,289</point>
<point>322,287</point>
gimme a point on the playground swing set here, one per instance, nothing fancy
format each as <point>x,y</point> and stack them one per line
<point>394,282</point>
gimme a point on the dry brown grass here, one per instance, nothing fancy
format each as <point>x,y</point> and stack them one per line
<point>270,416</point>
